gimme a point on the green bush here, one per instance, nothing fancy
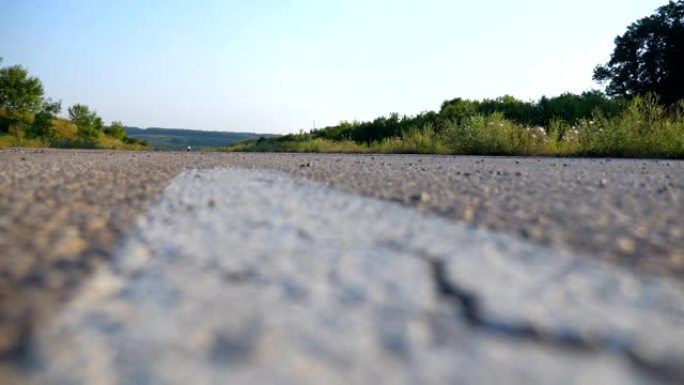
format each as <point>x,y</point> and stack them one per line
<point>491,135</point>
<point>644,129</point>
<point>116,130</point>
<point>84,143</point>
<point>89,124</point>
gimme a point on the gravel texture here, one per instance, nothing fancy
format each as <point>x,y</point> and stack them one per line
<point>248,276</point>
<point>63,212</point>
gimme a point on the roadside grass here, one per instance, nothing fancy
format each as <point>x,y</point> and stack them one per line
<point>493,135</point>
<point>62,134</point>
<point>312,145</point>
<point>69,139</point>
<point>7,141</point>
<point>643,129</point>
<point>103,143</point>
<point>64,128</point>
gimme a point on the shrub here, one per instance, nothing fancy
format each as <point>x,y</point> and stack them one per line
<point>645,128</point>
<point>116,130</point>
<point>85,143</point>
<point>89,124</point>
<point>490,135</point>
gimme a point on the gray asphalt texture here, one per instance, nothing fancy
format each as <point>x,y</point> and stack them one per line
<point>62,213</point>
<point>259,277</point>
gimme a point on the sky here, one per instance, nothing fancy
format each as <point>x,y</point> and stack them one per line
<point>272,66</point>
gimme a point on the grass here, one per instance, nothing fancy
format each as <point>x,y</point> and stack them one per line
<point>644,129</point>
<point>101,142</point>
<point>8,141</point>
<point>65,135</point>
<point>64,128</point>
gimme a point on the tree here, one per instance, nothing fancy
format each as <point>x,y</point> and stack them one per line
<point>20,94</point>
<point>116,130</point>
<point>649,57</point>
<point>42,122</point>
<point>89,124</point>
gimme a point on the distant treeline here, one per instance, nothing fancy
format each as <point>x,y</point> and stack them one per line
<point>640,115</point>
<point>29,119</point>
<point>569,108</point>
<point>589,124</point>
<point>177,139</point>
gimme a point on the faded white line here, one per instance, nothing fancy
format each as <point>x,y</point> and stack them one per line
<point>246,276</point>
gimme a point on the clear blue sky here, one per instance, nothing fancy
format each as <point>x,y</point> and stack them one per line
<point>276,66</point>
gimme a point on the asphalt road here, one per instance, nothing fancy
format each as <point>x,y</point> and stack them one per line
<point>252,276</point>
<point>63,213</point>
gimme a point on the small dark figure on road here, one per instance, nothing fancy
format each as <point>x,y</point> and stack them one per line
<point>189,148</point>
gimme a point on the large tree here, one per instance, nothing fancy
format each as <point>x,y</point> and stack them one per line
<point>649,57</point>
<point>20,94</point>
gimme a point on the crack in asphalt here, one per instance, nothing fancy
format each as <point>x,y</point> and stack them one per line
<point>471,310</point>
<point>340,281</point>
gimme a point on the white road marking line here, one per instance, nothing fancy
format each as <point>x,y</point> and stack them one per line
<point>247,276</point>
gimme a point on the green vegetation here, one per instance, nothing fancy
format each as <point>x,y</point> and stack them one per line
<point>639,128</point>
<point>629,120</point>
<point>640,115</point>
<point>28,119</point>
<point>116,130</point>
<point>649,57</point>
<point>88,123</point>
<point>179,139</point>
<point>20,94</point>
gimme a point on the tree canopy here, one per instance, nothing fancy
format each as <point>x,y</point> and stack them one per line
<point>649,57</point>
<point>116,130</point>
<point>42,122</point>
<point>20,94</point>
<point>89,124</point>
<point>27,118</point>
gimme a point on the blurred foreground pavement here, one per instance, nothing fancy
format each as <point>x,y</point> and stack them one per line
<point>255,276</point>
<point>239,276</point>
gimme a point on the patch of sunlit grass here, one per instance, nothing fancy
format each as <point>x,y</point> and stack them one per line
<point>643,129</point>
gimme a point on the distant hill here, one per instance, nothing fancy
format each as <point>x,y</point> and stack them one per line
<point>180,139</point>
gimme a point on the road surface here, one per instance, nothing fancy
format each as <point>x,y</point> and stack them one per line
<point>571,263</point>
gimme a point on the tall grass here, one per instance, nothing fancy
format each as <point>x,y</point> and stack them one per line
<point>100,142</point>
<point>63,134</point>
<point>643,129</point>
<point>491,135</point>
<point>7,141</point>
